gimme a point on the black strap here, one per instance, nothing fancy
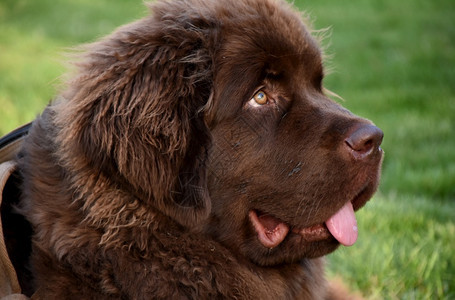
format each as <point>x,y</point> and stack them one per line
<point>15,135</point>
<point>11,143</point>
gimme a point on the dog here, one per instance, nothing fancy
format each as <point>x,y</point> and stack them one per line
<point>194,154</point>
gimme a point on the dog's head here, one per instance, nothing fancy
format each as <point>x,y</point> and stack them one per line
<point>288,166</point>
<point>218,107</point>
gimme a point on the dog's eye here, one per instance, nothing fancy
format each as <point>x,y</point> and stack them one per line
<point>260,98</point>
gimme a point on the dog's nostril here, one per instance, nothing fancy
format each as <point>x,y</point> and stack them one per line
<point>364,139</point>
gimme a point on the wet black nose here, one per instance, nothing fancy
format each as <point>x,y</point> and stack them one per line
<point>364,141</point>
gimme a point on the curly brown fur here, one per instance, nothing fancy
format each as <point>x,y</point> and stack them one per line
<point>142,179</point>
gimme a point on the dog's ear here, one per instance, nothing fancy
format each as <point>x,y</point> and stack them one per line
<point>135,110</point>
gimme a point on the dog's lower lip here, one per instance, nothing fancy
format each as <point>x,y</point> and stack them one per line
<point>313,233</point>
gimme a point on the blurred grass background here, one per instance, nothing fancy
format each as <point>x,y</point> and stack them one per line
<point>393,62</point>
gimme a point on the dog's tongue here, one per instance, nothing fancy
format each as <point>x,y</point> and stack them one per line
<point>343,225</point>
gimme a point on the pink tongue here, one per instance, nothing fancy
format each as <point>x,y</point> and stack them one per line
<point>343,225</point>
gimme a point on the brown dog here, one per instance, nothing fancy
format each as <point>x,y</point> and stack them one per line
<point>195,155</point>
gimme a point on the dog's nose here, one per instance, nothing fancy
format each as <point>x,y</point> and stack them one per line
<point>364,141</point>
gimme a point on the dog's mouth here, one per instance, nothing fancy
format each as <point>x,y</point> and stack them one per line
<point>342,225</point>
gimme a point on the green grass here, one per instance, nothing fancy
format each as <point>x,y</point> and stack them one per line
<point>404,251</point>
<point>393,62</point>
<point>33,37</point>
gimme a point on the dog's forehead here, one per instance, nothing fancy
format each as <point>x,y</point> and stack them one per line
<point>271,37</point>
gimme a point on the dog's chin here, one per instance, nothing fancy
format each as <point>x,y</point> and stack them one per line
<point>292,250</point>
